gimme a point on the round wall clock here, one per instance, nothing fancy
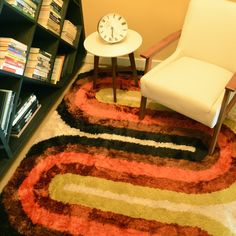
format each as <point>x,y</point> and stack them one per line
<point>112,28</point>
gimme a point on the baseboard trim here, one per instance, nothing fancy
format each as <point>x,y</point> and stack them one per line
<point>122,61</point>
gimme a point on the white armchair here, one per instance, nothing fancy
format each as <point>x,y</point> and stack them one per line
<point>198,80</point>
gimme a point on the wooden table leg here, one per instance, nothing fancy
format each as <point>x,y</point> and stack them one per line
<point>133,67</point>
<point>96,61</point>
<point>114,67</point>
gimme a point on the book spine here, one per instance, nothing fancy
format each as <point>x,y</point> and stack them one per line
<point>7,111</point>
<point>8,118</point>
<point>51,8</point>
<point>24,4</point>
<point>11,68</point>
<point>14,62</point>
<point>31,4</point>
<point>25,119</point>
<point>24,108</point>
<point>58,2</point>
<point>13,42</point>
<point>12,50</point>
<point>25,9</point>
<point>5,96</point>
<point>39,77</point>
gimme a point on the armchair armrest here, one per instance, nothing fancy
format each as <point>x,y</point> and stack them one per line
<point>231,85</point>
<point>161,45</point>
<point>157,48</point>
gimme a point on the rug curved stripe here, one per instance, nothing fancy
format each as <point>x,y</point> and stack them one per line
<point>75,189</point>
<point>194,181</point>
<point>39,215</point>
<point>222,165</point>
<point>145,192</point>
<point>78,225</point>
<point>125,98</point>
<point>74,225</point>
<point>85,103</point>
<point>86,113</point>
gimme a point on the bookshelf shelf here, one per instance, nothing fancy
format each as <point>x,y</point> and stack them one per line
<point>14,23</point>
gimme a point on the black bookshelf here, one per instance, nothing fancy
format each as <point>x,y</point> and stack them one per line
<point>20,26</point>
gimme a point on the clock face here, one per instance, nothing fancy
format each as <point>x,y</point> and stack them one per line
<point>112,28</point>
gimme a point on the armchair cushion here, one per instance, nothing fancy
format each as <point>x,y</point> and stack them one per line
<point>209,33</point>
<point>195,86</point>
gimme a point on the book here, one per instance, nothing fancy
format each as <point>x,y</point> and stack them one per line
<point>69,32</point>
<point>39,50</point>
<point>46,9</point>
<point>17,133</point>
<point>29,5</point>
<point>13,61</point>
<point>23,119</point>
<point>57,2</point>
<point>12,68</point>
<point>6,41</point>
<point>24,103</point>
<point>26,6</point>
<point>57,68</point>
<point>6,106</point>
<point>36,71</point>
<point>38,56</point>
<point>12,50</point>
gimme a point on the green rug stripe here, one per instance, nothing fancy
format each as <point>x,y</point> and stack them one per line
<point>218,197</point>
<point>231,124</point>
<point>126,98</point>
<point>109,196</point>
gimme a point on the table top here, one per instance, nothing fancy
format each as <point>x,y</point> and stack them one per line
<point>97,46</point>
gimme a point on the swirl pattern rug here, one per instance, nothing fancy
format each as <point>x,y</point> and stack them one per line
<point>105,172</point>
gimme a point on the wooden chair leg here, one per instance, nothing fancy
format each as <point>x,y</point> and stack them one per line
<point>114,68</point>
<point>133,67</point>
<point>219,123</point>
<point>143,104</point>
<point>96,61</point>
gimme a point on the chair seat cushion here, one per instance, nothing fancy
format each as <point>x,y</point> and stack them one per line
<point>189,86</point>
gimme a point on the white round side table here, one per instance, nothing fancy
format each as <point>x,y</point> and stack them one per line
<point>95,45</point>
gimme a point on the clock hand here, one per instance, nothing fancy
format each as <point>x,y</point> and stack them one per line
<point>112,32</point>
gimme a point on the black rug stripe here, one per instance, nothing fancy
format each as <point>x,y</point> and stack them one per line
<point>117,145</point>
<point>199,154</point>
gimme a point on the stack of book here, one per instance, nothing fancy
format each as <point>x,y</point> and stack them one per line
<point>69,32</point>
<point>28,7</point>
<point>12,55</point>
<point>50,15</point>
<point>6,106</point>
<point>57,69</point>
<point>26,109</point>
<point>38,64</point>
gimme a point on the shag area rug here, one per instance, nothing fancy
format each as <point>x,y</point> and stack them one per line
<point>101,171</point>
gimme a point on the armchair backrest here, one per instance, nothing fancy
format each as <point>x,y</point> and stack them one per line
<point>209,32</point>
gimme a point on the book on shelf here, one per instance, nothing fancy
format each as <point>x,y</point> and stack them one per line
<point>6,106</point>
<point>50,15</point>
<point>38,65</point>
<point>24,103</point>
<point>27,105</point>
<point>19,128</point>
<point>28,7</point>
<point>57,68</point>
<point>41,52</point>
<point>69,32</point>
<point>53,2</point>
<point>6,41</point>
<point>12,55</point>
<point>47,9</point>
